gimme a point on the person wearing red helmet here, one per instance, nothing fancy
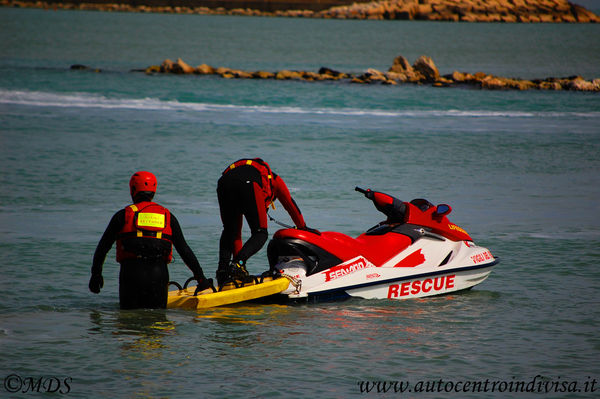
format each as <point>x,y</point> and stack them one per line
<point>247,188</point>
<point>145,233</point>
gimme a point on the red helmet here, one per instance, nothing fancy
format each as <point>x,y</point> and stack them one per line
<point>142,181</point>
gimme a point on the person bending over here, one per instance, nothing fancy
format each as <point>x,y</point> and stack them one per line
<point>246,189</point>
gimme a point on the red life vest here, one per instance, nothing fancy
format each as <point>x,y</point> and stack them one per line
<point>148,220</point>
<point>266,174</point>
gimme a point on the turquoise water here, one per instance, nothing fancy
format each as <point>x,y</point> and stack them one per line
<point>520,170</point>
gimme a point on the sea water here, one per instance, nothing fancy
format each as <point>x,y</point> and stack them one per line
<point>520,170</point>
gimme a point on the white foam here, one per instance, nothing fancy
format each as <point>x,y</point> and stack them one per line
<point>87,100</point>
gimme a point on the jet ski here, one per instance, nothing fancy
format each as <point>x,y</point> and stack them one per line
<point>416,252</point>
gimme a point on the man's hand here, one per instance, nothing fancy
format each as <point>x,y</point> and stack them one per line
<point>96,282</point>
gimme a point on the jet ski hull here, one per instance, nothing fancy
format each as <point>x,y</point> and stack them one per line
<point>417,286</point>
<point>378,266</point>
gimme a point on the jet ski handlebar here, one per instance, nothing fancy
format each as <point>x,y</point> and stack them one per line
<point>368,192</point>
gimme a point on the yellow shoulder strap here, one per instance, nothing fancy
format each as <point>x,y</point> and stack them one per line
<point>134,208</point>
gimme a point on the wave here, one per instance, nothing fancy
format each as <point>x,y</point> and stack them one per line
<point>87,100</point>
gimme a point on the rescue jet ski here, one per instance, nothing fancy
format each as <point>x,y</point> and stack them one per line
<point>416,252</point>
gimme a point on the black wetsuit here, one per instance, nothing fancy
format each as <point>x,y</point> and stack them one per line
<point>239,194</point>
<point>143,283</point>
<point>245,190</point>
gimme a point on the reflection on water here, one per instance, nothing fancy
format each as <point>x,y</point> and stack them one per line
<point>143,338</point>
<point>242,326</point>
<point>140,331</point>
<point>425,327</point>
<point>243,313</point>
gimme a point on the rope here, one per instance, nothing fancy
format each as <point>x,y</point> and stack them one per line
<point>297,283</point>
<point>287,226</point>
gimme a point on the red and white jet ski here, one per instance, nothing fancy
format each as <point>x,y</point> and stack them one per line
<point>416,252</point>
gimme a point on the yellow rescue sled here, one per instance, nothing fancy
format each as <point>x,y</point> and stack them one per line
<point>187,297</point>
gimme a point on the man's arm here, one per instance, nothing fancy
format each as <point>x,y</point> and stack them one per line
<point>105,244</point>
<point>184,250</point>
<point>283,195</point>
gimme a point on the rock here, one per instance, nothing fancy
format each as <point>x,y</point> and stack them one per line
<point>444,81</point>
<point>240,11</point>
<point>479,76</point>
<point>469,17</point>
<point>326,76</point>
<point>152,69</point>
<point>357,80</point>
<point>312,76</point>
<point>458,76</point>
<point>580,84</point>
<point>423,10</point>
<point>184,67</point>
<point>397,76</point>
<point>583,15</point>
<point>433,10</point>
<point>179,67</point>
<point>332,73</point>
<point>80,67</point>
<point>375,75</point>
<point>423,70</point>
<point>401,65</point>
<point>510,18</point>
<point>497,82</point>
<point>223,71</point>
<point>493,83</point>
<point>167,66</point>
<point>229,73</point>
<point>241,74</point>
<point>263,75</point>
<point>205,69</point>
<point>405,71</point>
<point>406,12</point>
<point>520,84</point>
<point>286,75</point>
<point>525,85</point>
<point>545,85</point>
<point>426,67</point>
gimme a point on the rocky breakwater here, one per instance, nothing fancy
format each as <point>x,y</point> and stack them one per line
<point>181,67</point>
<point>430,10</point>
<point>466,10</point>
<point>422,71</point>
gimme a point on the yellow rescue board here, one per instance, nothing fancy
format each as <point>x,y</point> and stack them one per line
<point>207,299</point>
